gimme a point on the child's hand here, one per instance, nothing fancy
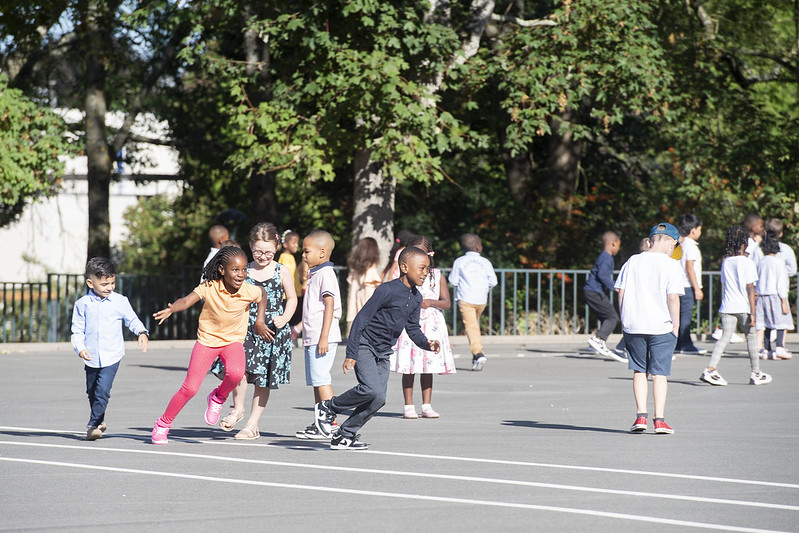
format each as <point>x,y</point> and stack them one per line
<point>698,294</point>
<point>785,309</point>
<point>435,346</point>
<point>84,354</point>
<point>263,331</point>
<point>144,340</point>
<point>163,314</point>
<point>348,365</point>
<point>279,321</point>
<point>322,347</point>
<point>752,320</point>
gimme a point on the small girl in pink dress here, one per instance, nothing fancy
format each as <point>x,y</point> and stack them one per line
<point>407,358</point>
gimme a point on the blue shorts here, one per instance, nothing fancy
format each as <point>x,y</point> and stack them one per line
<point>650,353</point>
<point>317,367</point>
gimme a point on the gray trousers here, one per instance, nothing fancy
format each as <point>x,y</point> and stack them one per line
<point>728,322</point>
<point>369,395</point>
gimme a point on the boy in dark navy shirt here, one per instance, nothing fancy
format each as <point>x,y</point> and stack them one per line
<point>394,306</point>
<point>596,290</point>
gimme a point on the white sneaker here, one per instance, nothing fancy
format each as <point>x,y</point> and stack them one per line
<point>713,377</point>
<point>409,412</point>
<point>734,339</point>
<point>782,353</point>
<point>759,378</point>
<point>737,339</point>
<point>601,346</point>
<point>716,333</point>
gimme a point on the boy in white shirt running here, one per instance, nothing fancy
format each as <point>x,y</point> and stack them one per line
<point>650,285</point>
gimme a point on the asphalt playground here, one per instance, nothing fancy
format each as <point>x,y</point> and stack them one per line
<point>537,441</point>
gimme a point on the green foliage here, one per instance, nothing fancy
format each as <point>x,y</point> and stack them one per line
<point>31,140</point>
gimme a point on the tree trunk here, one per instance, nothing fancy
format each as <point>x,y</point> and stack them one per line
<point>97,149</point>
<point>264,199</point>
<point>373,213</point>
<point>563,164</point>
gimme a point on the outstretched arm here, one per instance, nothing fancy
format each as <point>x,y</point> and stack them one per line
<point>180,304</point>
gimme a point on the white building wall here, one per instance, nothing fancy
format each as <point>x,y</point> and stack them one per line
<point>52,235</point>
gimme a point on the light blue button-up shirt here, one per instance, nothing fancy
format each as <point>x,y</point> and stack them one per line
<point>474,276</point>
<point>96,326</point>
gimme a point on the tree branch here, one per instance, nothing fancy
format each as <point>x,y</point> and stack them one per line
<point>534,23</point>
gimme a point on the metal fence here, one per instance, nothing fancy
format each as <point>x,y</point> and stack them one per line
<point>525,302</point>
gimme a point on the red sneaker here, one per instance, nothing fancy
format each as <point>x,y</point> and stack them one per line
<point>662,427</point>
<point>639,426</point>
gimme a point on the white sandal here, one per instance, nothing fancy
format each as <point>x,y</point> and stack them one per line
<point>248,433</point>
<point>229,422</point>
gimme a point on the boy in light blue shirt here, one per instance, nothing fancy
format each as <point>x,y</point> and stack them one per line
<point>97,337</point>
<point>474,277</point>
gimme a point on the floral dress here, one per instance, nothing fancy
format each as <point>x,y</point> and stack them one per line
<point>268,364</point>
<point>407,358</point>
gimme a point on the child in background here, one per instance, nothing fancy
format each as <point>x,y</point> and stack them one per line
<point>320,321</point>
<point>597,287</point>
<point>473,275</point>
<point>391,271</point>
<point>772,299</point>
<point>650,285</point>
<point>97,337</point>
<point>409,359</point>
<point>738,278</point>
<point>221,332</point>
<point>774,229</point>
<point>394,305</point>
<point>364,276</point>
<point>267,362</point>
<point>690,228</point>
<point>291,244</point>
<point>217,234</point>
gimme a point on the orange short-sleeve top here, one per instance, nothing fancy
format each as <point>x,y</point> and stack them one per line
<point>225,315</point>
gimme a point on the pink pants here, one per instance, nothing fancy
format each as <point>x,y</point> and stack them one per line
<point>201,359</point>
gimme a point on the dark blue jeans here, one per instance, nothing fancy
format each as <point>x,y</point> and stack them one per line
<point>687,300</point>
<point>98,389</point>
<point>369,395</point>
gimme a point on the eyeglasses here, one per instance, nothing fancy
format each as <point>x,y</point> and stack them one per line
<point>258,253</point>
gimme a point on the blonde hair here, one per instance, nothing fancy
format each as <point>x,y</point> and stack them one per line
<point>265,231</point>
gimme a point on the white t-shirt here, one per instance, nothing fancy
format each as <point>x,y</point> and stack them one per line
<point>690,252</point>
<point>322,280</point>
<point>647,279</point>
<point>736,273</point>
<point>753,249</point>
<point>787,256</point>
<point>772,277</point>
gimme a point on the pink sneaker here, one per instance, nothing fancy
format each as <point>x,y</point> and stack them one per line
<point>214,409</point>
<point>159,433</point>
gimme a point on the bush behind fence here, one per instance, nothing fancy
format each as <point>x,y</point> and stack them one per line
<point>525,302</point>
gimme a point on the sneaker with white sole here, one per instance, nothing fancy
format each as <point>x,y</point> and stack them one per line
<point>639,426</point>
<point>93,433</point>
<point>311,433</point>
<point>602,347</point>
<point>735,339</point>
<point>324,418</point>
<point>765,354</point>
<point>214,409</point>
<point>782,353</point>
<point>662,428</point>
<point>759,378</point>
<point>341,442</point>
<point>160,433</point>
<point>713,377</point>
<point>427,411</point>
<point>409,411</point>
<point>478,362</point>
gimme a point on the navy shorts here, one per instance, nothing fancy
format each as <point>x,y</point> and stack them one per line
<point>650,353</point>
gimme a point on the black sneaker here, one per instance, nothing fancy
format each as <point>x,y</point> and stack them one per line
<point>310,433</point>
<point>478,362</point>
<point>323,418</point>
<point>340,442</point>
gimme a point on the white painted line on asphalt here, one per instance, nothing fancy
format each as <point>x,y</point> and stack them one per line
<point>478,460</point>
<point>428,475</point>
<point>587,468</point>
<point>394,495</point>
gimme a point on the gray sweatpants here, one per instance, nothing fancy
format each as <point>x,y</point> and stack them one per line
<point>369,395</point>
<point>728,322</point>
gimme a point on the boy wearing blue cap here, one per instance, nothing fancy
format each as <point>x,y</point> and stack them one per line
<point>650,315</point>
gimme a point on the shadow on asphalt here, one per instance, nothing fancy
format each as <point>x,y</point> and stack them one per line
<point>544,425</point>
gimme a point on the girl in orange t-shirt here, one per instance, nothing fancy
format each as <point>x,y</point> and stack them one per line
<point>221,332</point>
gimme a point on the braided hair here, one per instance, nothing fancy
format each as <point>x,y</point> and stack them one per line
<point>222,257</point>
<point>737,236</point>
<point>422,242</point>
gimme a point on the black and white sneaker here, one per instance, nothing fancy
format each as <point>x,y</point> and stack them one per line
<point>341,442</point>
<point>324,418</point>
<point>310,433</point>
<point>478,362</point>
